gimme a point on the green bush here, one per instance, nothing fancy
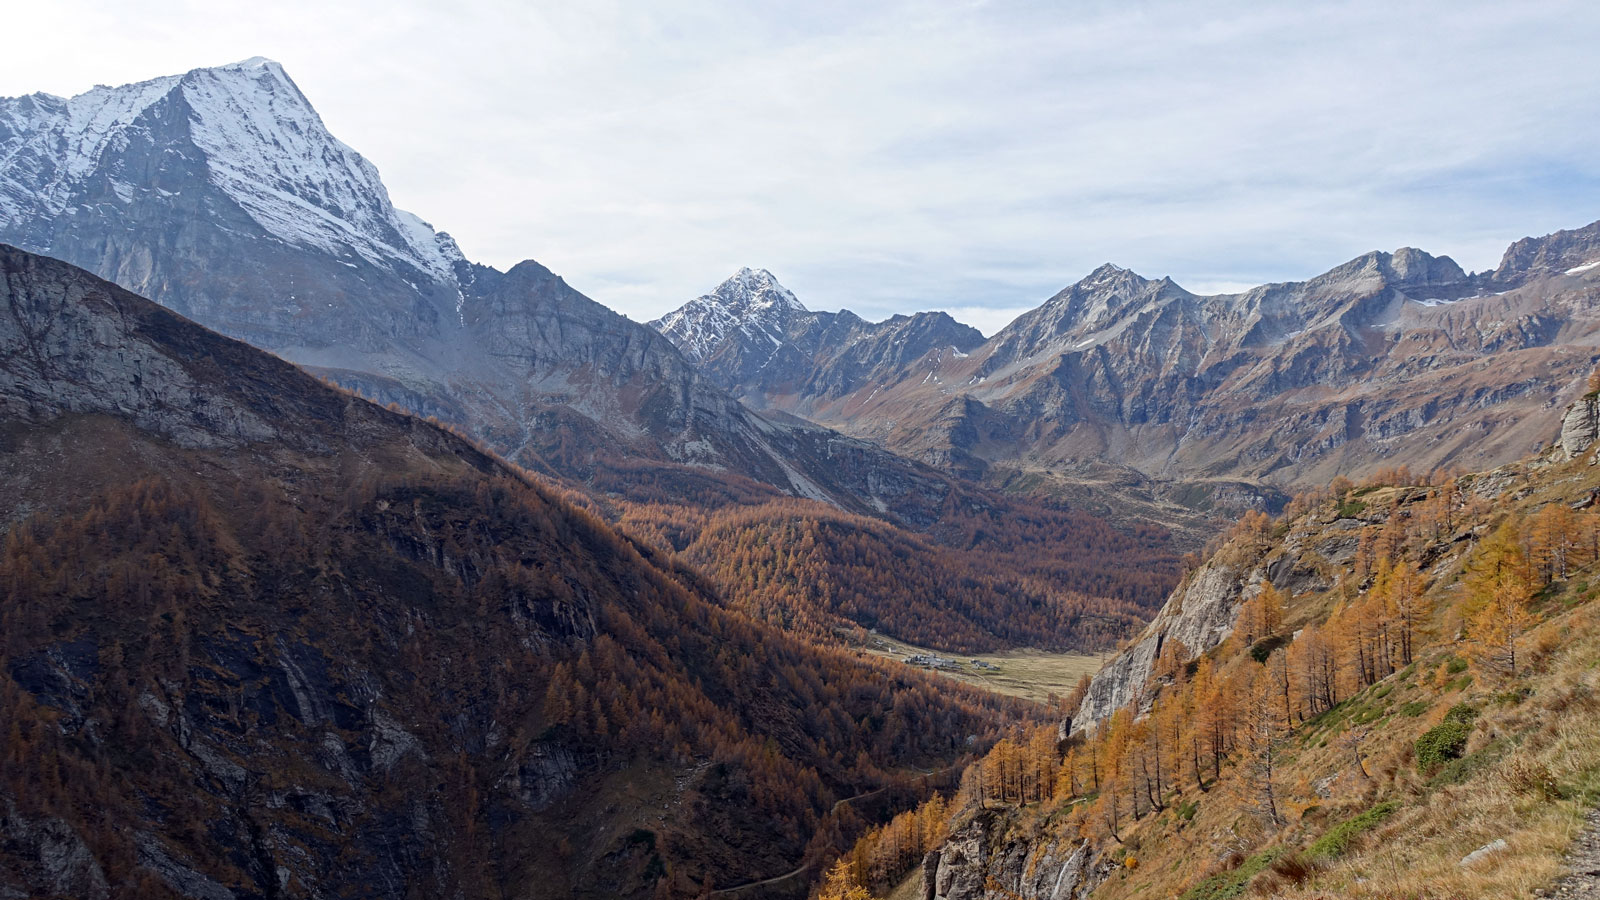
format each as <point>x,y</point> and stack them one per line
<point>1336,840</point>
<point>1463,713</point>
<point>1369,714</point>
<point>1458,771</point>
<point>1186,811</point>
<point>1441,743</point>
<point>1227,885</point>
<point>1349,509</point>
<point>1457,666</point>
<point>1382,692</point>
<point>1414,708</point>
<point>1264,647</point>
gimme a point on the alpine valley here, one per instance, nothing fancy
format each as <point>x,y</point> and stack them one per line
<point>335,564</point>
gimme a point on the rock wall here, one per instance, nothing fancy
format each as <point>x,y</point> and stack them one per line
<point>1200,613</point>
<point>983,860</point>
<point>1580,427</point>
<point>1202,610</point>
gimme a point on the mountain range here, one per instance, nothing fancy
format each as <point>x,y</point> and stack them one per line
<point>221,194</point>
<point>1389,358</point>
<point>343,564</point>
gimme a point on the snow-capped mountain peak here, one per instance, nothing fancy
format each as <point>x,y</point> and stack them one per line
<point>751,302</point>
<point>263,145</point>
<point>754,290</point>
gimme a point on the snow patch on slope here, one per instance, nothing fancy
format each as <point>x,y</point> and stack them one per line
<point>52,143</point>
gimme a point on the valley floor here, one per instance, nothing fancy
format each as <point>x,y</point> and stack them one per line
<point>1023,672</point>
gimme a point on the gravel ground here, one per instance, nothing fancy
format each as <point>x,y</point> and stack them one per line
<point>1583,879</point>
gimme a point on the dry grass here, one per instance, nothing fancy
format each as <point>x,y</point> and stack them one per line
<point>908,889</point>
<point>1030,674</point>
<point>1530,776</point>
<point>1535,798</point>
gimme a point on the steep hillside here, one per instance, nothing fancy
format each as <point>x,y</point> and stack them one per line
<point>1390,355</point>
<point>980,580</point>
<point>261,638</point>
<point>1389,692</point>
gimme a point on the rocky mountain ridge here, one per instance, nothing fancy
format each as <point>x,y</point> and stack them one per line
<point>1387,356</point>
<point>754,337</point>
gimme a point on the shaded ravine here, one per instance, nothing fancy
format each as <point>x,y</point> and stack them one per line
<point>806,867</point>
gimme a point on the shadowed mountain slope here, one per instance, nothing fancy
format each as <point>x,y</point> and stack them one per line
<point>262,638</point>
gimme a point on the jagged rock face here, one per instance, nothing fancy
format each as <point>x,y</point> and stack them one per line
<point>751,307</point>
<point>54,860</point>
<point>1554,254</point>
<point>1391,356</point>
<point>1580,427</point>
<point>221,194</point>
<point>1202,611</point>
<point>204,188</point>
<point>71,343</point>
<point>980,862</point>
<point>752,336</point>
<point>1200,614</point>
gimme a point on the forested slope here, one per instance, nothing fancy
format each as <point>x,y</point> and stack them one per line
<point>261,638</point>
<point>1406,676</point>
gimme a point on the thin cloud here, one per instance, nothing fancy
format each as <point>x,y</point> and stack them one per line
<point>898,156</point>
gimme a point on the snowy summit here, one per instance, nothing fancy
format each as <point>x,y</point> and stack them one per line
<point>751,301</point>
<point>262,144</point>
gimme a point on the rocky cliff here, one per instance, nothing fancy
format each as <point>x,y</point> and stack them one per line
<point>755,338</point>
<point>982,861</point>
<point>1580,427</point>
<point>1202,611</point>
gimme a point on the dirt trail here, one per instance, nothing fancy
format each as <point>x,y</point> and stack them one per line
<point>1583,866</point>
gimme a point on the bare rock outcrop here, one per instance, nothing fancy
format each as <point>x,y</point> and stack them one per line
<point>1580,427</point>
<point>55,861</point>
<point>983,861</point>
<point>1200,613</point>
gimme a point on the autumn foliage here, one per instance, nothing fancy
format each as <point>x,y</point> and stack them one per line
<point>979,581</point>
<point>500,623</point>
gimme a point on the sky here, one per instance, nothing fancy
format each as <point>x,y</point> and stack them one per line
<point>898,156</point>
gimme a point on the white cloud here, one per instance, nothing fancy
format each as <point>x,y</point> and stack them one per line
<point>898,156</point>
